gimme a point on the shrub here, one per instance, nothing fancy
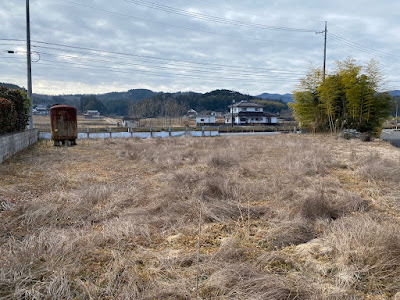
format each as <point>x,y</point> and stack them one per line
<point>14,110</point>
<point>8,116</point>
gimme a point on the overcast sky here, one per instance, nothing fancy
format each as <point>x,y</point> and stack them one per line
<point>97,46</point>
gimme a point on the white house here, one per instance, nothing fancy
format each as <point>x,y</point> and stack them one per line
<point>205,119</point>
<point>248,113</point>
<point>40,110</point>
<point>92,114</point>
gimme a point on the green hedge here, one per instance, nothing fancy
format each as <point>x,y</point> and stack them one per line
<point>14,110</point>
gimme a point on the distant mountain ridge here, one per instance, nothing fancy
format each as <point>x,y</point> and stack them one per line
<point>118,103</point>
<point>289,97</point>
<point>10,86</point>
<point>286,97</point>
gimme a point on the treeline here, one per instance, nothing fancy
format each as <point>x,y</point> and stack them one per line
<point>152,104</point>
<point>115,103</point>
<point>177,104</point>
<point>14,110</point>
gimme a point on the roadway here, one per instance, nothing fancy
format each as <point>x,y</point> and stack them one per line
<point>247,133</point>
<point>392,136</point>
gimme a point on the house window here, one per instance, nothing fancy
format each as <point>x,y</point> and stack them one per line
<point>257,109</point>
<point>201,120</point>
<point>244,109</point>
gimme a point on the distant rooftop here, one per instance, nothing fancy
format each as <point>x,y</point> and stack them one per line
<point>244,103</point>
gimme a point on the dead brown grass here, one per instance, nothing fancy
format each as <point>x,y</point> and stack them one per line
<point>284,217</point>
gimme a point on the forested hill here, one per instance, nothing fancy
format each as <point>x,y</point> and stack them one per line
<point>118,103</point>
<point>10,86</point>
<point>175,104</point>
<point>152,103</point>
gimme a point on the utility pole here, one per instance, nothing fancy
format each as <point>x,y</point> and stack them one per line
<point>233,102</point>
<point>397,110</point>
<point>325,32</point>
<point>29,63</point>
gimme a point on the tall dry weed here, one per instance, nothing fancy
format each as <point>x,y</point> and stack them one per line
<point>366,253</point>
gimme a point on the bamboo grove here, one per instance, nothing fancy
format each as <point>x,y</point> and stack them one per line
<point>347,98</point>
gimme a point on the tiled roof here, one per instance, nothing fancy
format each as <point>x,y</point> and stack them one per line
<point>246,104</point>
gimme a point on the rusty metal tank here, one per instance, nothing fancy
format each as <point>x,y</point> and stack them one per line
<point>64,125</point>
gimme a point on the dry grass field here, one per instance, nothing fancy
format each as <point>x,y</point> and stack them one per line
<point>283,217</point>
<point>43,123</point>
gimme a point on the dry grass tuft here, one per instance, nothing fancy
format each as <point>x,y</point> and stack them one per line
<point>327,200</point>
<point>288,231</point>
<point>366,252</point>
<point>376,167</point>
<point>243,282</point>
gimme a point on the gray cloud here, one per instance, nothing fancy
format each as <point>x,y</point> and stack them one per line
<point>246,59</point>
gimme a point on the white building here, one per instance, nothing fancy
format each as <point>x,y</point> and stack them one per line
<point>40,110</point>
<point>129,122</point>
<point>92,114</point>
<point>205,120</point>
<point>248,113</point>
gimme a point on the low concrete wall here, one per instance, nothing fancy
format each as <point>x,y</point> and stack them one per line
<point>144,135</point>
<point>11,144</point>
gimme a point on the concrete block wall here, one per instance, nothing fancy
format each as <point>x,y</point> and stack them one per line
<point>11,144</point>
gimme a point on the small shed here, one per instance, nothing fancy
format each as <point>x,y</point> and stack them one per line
<point>205,120</point>
<point>130,122</point>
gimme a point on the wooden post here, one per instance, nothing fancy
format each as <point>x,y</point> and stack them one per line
<point>87,131</point>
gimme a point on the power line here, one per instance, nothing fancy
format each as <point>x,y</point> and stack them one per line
<point>116,70</point>
<point>252,13</point>
<point>178,26</point>
<point>148,57</point>
<point>170,67</point>
<point>204,17</point>
<point>145,71</point>
<point>13,40</point>
<point>362,48</point>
